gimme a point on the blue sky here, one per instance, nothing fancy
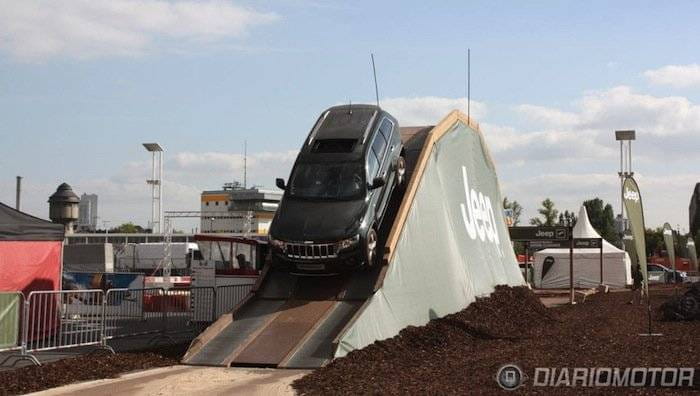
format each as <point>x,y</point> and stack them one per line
<point>83,83</point>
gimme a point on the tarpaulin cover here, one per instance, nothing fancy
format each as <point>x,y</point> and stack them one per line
<point>19,226</point>
<point>453,247</point>
<point>10,305</point>
<point>616,262</point>
<point>30,265</point>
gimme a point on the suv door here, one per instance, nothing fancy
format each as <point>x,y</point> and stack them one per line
<point>379,149</point>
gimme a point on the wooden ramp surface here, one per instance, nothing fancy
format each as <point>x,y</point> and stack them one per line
<point>292,321</point>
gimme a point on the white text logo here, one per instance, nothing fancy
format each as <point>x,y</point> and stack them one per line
<point>631,195</point>
<point>477,213</point>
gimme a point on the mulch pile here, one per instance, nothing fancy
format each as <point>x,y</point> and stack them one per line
<point>95,366</point>
<point>461,353</point>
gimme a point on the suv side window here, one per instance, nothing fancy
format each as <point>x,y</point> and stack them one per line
<point>386,129</point>
<point>378,146</point>
<point>372,166</point>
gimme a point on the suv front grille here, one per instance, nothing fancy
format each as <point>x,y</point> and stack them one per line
<point>311,251</point>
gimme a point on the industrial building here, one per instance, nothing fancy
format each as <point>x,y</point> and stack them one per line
<point>87,212</point>
<point>236,209</point>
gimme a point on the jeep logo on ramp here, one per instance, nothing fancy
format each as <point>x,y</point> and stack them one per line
<point>477,213</point>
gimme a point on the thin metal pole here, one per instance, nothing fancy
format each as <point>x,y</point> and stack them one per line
<point>469,80</point>
<point>527,256</point>
<point>19,192</point>
<point>571,268</point>
<point>600,241</point>
<point>376,87</point>
<point>245,164</point>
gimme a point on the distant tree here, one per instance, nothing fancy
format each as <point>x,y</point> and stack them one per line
<point>567,219</point>
<point>515,207</point>
<point>127,228</point>
<point>602,218</point>
<point>549,213</point>
<point>654,240</point>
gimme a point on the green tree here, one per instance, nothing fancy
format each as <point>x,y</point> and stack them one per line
<point>602,218</point>
<point>127,228</point>
<point>567,219</point>
<point>515,207</point>
<point>654,240</point>
<point>549,214</point>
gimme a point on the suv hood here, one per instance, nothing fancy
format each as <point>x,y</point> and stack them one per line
<point>318,221</point>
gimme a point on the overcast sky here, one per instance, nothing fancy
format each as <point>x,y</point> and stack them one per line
<point>84,82</point>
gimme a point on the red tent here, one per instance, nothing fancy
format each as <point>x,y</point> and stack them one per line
<point>30,252</point>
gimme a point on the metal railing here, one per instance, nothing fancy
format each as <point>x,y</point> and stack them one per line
<point>49,320</point>
<point>228,296</point>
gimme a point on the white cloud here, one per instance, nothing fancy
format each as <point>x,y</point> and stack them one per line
<point>34,30</point>
<point>679,76</point>
<point>429,110</point>
<point>620,108</point>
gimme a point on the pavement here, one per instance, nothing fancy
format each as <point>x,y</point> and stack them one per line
<point>188,380</point>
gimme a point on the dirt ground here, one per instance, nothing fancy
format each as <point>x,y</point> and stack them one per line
<point>460,354</point>
<point>189,380</point>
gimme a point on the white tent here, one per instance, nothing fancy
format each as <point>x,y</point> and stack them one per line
<point>616,262</point>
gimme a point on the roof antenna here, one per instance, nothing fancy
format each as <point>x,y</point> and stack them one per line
<point>350,108</point>
<point>376,88</point>
<point>469,67</point>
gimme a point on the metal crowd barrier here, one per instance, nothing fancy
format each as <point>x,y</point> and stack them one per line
<point>49,320</point>
<point>133,312</point>
<point>228,296</point>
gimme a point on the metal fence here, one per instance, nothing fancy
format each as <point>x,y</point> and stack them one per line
<point>49,320</point>
<point>228,296</point>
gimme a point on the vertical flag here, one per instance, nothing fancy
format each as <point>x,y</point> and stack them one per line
<point>633,203</point>
<point>668,240</point>
<point>630,249</point>
<point>693,254</point>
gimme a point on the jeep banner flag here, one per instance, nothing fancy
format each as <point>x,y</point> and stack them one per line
<point>692,254</point>
<point>668,241</point>
<point>635,214</point>
<point>453,244</point>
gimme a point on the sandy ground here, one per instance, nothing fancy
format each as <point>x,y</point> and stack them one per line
<point>188,380</point>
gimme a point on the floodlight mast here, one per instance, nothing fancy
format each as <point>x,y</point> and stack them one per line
<point>156,183</point>
<point>625,166</point>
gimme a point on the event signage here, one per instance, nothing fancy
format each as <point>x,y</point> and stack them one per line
<point>556,233</point>
<point>635,213</point>
<point>693,254</point>
<point>668,240</point>
<point>579,243</point>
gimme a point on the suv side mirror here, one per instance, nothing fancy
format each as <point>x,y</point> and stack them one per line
<point>377,182</point>
<point>280,184</point>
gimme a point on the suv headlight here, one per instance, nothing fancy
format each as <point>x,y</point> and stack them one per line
<point>276,243</point>
<point>346,244</point>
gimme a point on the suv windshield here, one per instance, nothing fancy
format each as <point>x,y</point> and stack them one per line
<point>327,181</point>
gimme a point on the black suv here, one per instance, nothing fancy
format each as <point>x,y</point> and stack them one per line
<point>338,192</point>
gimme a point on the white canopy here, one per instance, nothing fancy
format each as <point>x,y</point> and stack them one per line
<point>616,262</point>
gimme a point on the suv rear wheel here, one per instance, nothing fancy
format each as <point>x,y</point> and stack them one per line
<point>371,247</point>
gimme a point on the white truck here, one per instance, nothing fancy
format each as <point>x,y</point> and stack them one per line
<point>148,258</point>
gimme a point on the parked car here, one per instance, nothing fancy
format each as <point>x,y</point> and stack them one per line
<point>658,273</point>
<point>338,191</point>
